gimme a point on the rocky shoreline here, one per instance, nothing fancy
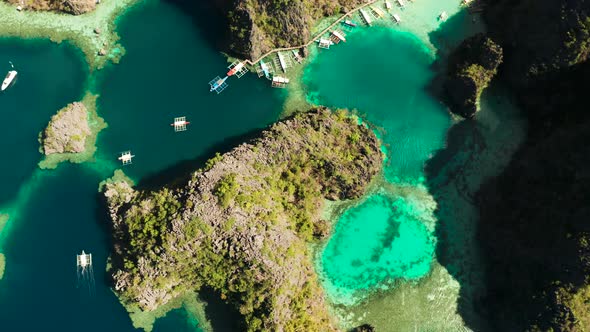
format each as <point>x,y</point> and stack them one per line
<point>67,131</point>
<point>472,67</point>
<point>93,31</point>
<point>71,133</point>
<point>534,226</point>
<point>241,226</point>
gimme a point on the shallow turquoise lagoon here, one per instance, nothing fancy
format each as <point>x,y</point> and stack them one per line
<point>384,74</point>
<point>378,240</point>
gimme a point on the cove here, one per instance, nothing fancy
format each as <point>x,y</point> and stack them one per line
<point>383,74</point>
<point>165,74</point>
<point>57,213</point>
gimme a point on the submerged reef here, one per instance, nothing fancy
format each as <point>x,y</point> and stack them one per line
<point>67,131</point>
<point>93,32</point>
<point>534,224</point>
<point>241,226</point>
<point>257,26</point>
<point>472,67</point>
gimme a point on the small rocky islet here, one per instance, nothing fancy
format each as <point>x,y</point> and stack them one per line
<point>242,225</point>
<point>67,131</point>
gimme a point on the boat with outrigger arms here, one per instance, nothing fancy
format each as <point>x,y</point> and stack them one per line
<point>9,79</point>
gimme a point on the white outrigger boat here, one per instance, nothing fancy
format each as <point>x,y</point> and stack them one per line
<point>8,79</point>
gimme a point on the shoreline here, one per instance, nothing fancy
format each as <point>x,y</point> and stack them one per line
<point>78,30</point>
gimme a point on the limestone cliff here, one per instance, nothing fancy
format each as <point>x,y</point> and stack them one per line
<point>472,66</point>
<point>535,221</point>
<point>257,26</point>
<point>67,131</point>
<point>243,224</point>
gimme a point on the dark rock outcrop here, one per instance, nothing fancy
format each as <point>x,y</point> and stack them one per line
<point>472,67</point>
<point>241,226</point>
<point>535,218</point>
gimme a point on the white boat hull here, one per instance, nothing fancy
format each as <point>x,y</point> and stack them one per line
<point>8,80</point>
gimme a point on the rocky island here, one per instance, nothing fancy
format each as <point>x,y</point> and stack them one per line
<point>472,66</point>
<point>242,225</point>
<point>71,133</point>
<point>67,131</point>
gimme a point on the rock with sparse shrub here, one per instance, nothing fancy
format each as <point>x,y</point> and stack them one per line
<point>67,131</point>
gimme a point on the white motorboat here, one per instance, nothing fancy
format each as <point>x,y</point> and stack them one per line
<point>8,79</point>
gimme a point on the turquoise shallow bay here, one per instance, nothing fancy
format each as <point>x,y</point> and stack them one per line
<point>384,238</point>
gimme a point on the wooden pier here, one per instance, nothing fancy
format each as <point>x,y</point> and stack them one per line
<point>317,36</point>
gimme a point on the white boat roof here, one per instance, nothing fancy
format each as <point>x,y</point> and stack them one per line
<point>280,79</point>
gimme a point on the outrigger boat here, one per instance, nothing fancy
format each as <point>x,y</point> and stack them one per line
<point>350,23</point>
<point>8,79</point>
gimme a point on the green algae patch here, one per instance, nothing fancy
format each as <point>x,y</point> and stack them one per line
<point>2,265</point>
<point>95,123</point>
<point>3,221</point>
<point>94,32</point>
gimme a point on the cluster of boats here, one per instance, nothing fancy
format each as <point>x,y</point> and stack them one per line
<point>9,79</point>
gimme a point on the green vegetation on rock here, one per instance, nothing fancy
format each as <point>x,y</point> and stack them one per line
<point>257,26</point>
<point>472,67</point>
<point>242,226</point>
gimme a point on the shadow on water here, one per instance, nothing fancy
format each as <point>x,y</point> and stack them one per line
<point>177,174</point>
<point>209,19</point>
<point>450,188</point>
<point>223,316</point>
<point>454,247</point>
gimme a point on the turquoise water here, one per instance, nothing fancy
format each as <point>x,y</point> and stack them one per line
<point>384,238</point>
<point>381,239</point>
<point>387,85</point>
<point>55,214</point>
